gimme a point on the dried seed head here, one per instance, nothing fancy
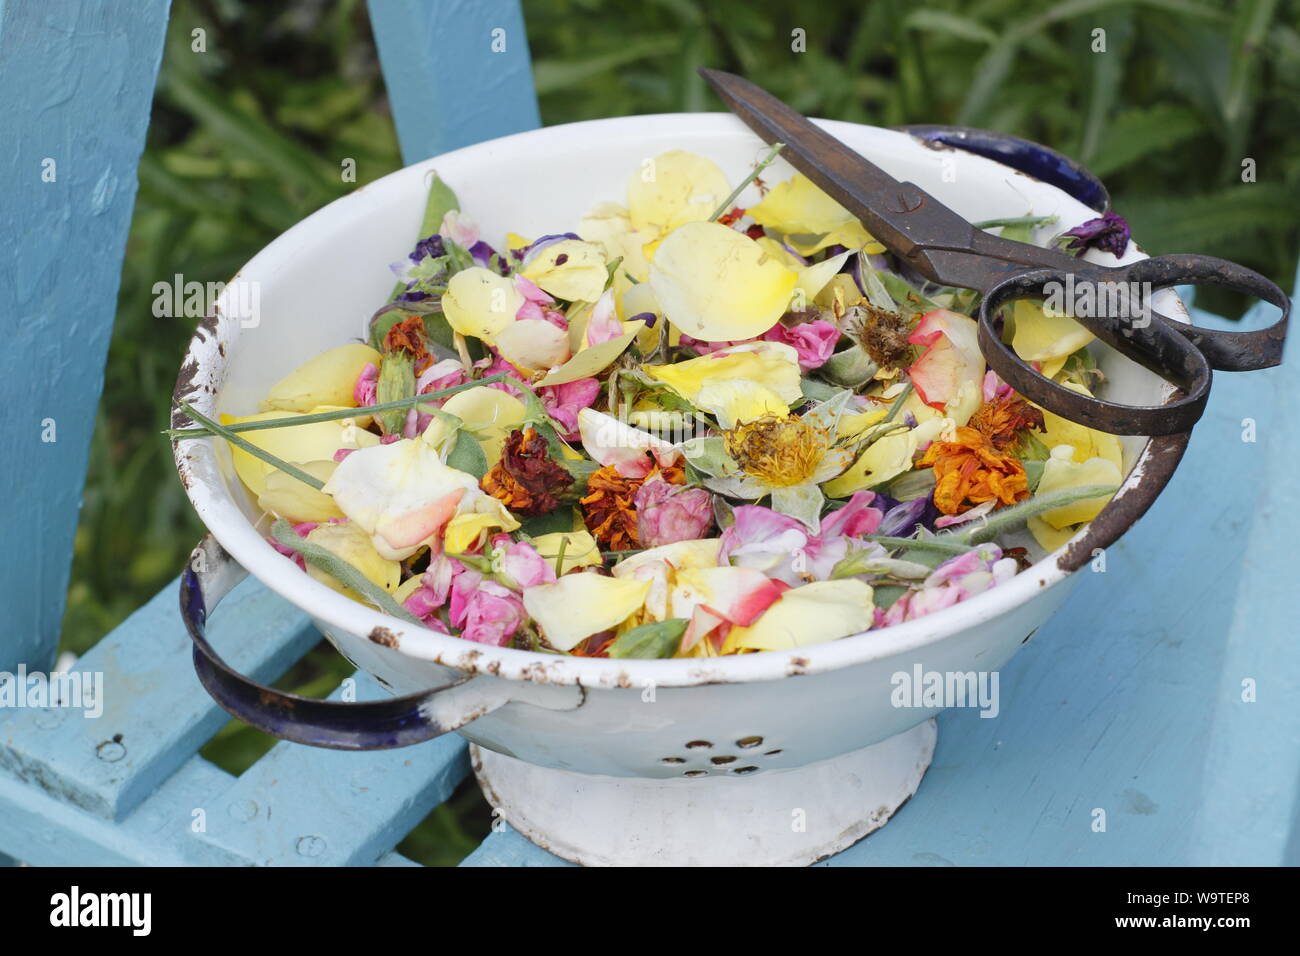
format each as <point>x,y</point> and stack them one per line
<point>882,334</point>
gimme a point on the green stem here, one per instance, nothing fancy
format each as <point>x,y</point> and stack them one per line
<point>918,544</point>
<point>342,571</point>
<point>209,426</point>
<point>400,404</point>
<point>735,193</point>
<point>1015,221</point>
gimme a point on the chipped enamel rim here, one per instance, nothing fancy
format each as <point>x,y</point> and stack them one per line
<point>203,373</point>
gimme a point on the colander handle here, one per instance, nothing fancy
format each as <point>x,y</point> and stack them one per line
<point>371,725</point>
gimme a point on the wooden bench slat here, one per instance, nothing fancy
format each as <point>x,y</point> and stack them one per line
<point>452,78</point>
<point>76,82</point>
<point>156,715</point>
<point>304,806</point>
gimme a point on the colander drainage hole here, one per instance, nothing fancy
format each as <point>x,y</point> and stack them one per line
<point>698,745</point>
<point>772,753</point>
<point>721,760</point>
<point>672,760</point>
<point>748,742</point>
<point>696,773</point>
<point>745,770</point>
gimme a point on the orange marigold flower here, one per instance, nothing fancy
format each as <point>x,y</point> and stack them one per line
<point>1001,420</point>
<point>408,336</point>
<point>524,478</point>
<point>608,510</point>
<point>969,471</point>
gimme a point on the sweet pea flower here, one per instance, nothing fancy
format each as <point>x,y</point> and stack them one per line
<point>492,614</point>
<point>953,581</point>
<point>667,513</point>
<point>813,341</point>
<point>564,402</point>
<point>459,228</point>
<point>363,391</point>
<point>1109,233</point>
<point>518,565</point>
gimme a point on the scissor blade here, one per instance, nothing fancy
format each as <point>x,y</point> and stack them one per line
<point>809,148</point>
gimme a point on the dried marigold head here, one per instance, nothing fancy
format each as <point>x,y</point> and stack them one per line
<point>969,471</point>
<point>1002,419</point>
<point>882,335</point>
<point>608,507</point>
<point>779,451</point>
<point>525,479</point>
<point>608,511</point>
<point>408,336</point>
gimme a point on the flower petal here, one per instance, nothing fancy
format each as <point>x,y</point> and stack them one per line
<point>479,303</point>
<point>328,379</point>
<point>579,605</point>
<point>716,284</point>
<point>949,374</point>
<point>812,614</point>
<point>491,413</point>
<point>674,188</point>
<point>571,269</point>
<point>316,441</point>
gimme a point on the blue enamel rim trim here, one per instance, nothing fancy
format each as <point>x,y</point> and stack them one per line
<point>370,725</point>
<point>1026,156</point>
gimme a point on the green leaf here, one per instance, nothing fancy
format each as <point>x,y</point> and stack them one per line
<point>561,519</point>
<point>467,456</point>
<point>440,202</point>
<point>650,641</point>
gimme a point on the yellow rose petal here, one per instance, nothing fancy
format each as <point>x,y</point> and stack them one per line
<point>571,269</point>
<point>479,303</point>
<point>286,497</point>
<point>316,441</point>
<point>674,188</point>
<point>328,379</point>
<point>773,365</point>
<point>580,549</point>
<point>577,606</point>
<point>716,284</point>
<point>464,529</point>
<point>799,207</point>
<point>852,235</point>
<point>812,614</point>
<point>884,459</point>
<point>1086,442</point>
<point>1043,337</point>
<point>349,542</point>
<point>1062,472</point>
<point>738,401</point>
<point>492,415</point>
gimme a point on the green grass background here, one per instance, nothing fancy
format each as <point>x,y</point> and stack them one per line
<point>246,139</point>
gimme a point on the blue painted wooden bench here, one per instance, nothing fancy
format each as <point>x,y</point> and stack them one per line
<point>1153,721</point>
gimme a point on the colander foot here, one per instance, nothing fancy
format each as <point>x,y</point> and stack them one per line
<point>775,818</point>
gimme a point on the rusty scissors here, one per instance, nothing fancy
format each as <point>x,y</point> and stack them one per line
<point>944,248</point>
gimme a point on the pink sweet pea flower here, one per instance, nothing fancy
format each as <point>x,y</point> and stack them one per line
<point>773,543</point>
<point>440,375</point>
<point>492,614</point>
<point>563,402</point>
<point>493,364</point>
<point>854,519</point>
<point>951,582</point>
<point>707,348</point>
<point>537,304</point>
<point>518,565</point>
<point>995,388</point>
<point>814,341</point>
<point>668,513</point>
<point>604,324</point>
<point>363,392</point>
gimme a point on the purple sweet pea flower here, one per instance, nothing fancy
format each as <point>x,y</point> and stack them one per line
<point>1108,232</point>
